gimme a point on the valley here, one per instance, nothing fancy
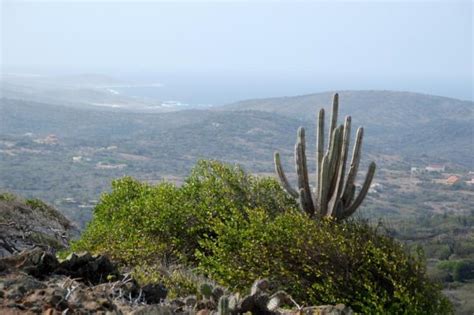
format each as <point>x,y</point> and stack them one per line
<point>422,194</point>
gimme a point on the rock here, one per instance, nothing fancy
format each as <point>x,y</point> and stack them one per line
<point>36,262</point>
<point>154,293</point>
<point>190,301</point>
<point>153,310</point>
<point>34,282</point>
<point>29,224</point>
<point>339,309</point>
<point>205,304</point>
<point>93,269</point>
<point>204,312</point>
<point>18,287</point>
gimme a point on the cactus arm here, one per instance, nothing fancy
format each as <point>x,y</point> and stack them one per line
<point>346,138</point>
<point>338,209</point>
<point>306,200</point>
<point>351,194</point>
<point>332,126</point>
<point>348,193</point>
<point>334,155</point>
<point>281,175</point>
<point>341,167</point>
<point>320,150</point>
<point>363,192</point>
<point>223,306</point>
<point>324,186</point>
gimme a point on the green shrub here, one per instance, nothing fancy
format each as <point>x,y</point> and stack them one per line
<point>178,280</point>
<point>235,228</point>
<point>216,188</point>
<point>6,196</point>
<point>321,262</point>
<point>461,270</point>
<point>138,222</point>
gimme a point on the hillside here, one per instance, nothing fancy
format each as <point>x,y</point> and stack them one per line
<point>68,156</point>
<point>396,122</point>
<point>27,224</point>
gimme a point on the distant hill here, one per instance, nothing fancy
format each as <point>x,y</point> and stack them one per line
<point>408,123</point>
<point>87,91</point>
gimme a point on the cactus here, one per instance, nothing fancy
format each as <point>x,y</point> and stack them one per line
<point>206,290</point>
<point>335,194</point>
<point>223,306</point>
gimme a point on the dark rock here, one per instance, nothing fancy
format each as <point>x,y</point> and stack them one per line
<point>37,262</point>
<point>190,301</point>
<point>19,287</point>
<point>154,293</point>
<point>217,292</point>
<point>91,269</point>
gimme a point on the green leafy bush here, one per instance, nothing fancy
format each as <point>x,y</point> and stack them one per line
<point>235,228</point>
<point>321,262</point>
<point>138,222</point>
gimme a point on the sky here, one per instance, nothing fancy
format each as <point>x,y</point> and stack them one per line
<point>421,46</point>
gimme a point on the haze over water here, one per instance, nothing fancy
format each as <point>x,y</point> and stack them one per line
<point>221,52</point>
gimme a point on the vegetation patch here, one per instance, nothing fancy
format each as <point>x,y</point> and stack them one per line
<point>235,228</point>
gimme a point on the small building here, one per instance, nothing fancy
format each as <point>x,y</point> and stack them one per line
<point>49,139</point>
<point>453,179</point>
<point>435,168</point>
<point>375,188</point>
<point>106,166</point>
<point>70,200</point>
<point>470,182</point>
<point>416,171</point>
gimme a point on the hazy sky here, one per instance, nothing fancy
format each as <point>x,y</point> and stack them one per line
<point>400,41</point>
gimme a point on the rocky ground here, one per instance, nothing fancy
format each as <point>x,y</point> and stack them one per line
<point>27,224</point>
<point>35,282</point>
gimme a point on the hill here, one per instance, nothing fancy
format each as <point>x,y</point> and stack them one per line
<point>396,122</point>
<point>68,156</point>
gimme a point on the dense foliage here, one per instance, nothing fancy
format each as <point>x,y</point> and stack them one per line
<point>138,222</point>
<point>322,262</point>
<point>236,227</point>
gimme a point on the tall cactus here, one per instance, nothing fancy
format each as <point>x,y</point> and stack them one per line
<point>334,195</point>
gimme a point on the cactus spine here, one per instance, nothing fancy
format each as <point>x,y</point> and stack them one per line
<point>335,194</point>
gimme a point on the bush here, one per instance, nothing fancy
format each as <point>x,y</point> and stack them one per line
<point>138,222</point>
<point>461,270</point>
<point>236,227</point>
<point>5,196</point>
<point>321,262</point>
